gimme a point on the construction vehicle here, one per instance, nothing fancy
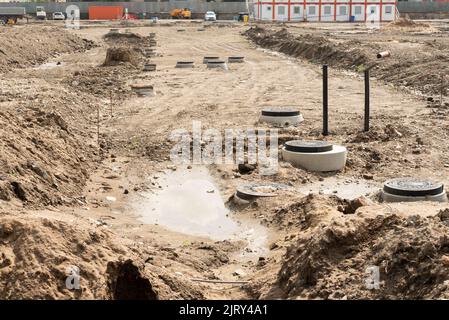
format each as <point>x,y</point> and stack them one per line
<point>9,15</point>
<point>40,13</point>
<point>181,13</point>
<point>243,17</point>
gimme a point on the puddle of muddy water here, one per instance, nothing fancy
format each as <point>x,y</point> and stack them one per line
<point>189,202</point>
<point>345,189</point>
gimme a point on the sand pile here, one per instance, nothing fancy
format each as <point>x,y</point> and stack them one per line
<point>405,22</point>
<point>118,55</point>
<point>22,48</point>
<point>332,261</point>
<point>115,38</point>
<point>43,161</point>
<point>38,254</point>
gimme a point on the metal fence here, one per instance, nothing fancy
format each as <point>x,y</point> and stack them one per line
<point>424,10</point>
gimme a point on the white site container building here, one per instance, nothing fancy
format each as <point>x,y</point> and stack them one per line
<point>326,10</point>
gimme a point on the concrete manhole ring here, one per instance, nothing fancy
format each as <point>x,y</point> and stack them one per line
<point>319,156</point>
<point>308,146</point>
<point>281,116</point>
<point>143,90</point>
<point>149,67</point>
<point>413,187</point>
<point>257,190</point>
<point>206,59</point>
<point>149,53</point>
<point>184,64</point>
<point>236,59</point>
<point>280,112</point>
<point>217,64</point>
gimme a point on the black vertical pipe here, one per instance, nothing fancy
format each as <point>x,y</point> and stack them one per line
<point>325,101</point>
<point>366,127</point>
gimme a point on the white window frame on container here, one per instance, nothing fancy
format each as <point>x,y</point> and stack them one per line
<point>279,10</point>
<point>296,10</point>
<point>329,9</point>
<point>388,9</point>
<point>358,8</point>
<point>341,9</point>
<point>309,11</point>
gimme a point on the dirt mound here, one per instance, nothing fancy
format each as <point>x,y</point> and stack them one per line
<point>43,161</point>
<point>101,81</point>
<point>21,48</point>
<point>311,47</point>
<point>388,133</point>
<point>115,38</point>
<point>406,23</point>
<point>38,255</point>
<point>333,260</point>
<point>117,55</point>
<point>401,69</point>
<point>307,212</point>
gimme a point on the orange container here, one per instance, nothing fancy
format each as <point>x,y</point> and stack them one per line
<point>105,12</point>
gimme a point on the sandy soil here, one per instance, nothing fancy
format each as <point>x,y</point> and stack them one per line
<point>60,178</point>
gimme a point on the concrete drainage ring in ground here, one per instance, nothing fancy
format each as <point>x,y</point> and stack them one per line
<point>281,116</point>
<point>184,64</point>
<point>217,64</point>
<point>236,59</point>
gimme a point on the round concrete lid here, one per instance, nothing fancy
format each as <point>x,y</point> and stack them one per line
<point>255,190</point>
<point>413,187</point>
<point>280,112</point>
<point>306,146</point>
<point>141,86</point>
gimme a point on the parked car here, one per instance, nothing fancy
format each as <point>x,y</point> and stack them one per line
<point>210,16</point>
<point>58,16</point>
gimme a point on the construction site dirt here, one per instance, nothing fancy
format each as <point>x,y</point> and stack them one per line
<point>87,182</point>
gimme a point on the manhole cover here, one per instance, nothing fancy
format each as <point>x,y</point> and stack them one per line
<point>149,53</point>
<point>255,190</point>
<point>308,146</point>
<point>235,59</point>
<point>149,67</point>
<point>217,64</point>
<point>413,187</point>
<point>184,64</point>
<point>209,58</point>
<point>280,112</point>
<point>143,90</point>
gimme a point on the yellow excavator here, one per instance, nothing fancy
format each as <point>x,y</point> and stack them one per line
<point>181,13</point>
